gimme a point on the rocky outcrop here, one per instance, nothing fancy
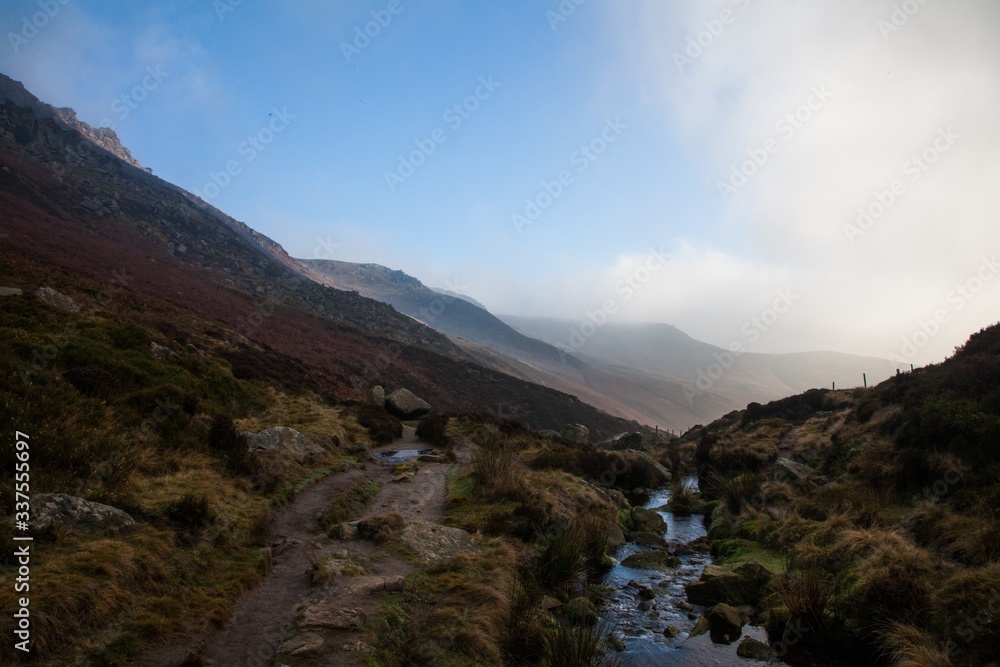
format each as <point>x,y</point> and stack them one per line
<point>746,583</point>
<point>404,404</point>
<point>435,544</point>
<point>77,514</point>
<point>577,433</point>
<point>282,440</point>
<point>57,299</point>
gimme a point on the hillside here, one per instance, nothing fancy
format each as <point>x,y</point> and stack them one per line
<point>877,508</point>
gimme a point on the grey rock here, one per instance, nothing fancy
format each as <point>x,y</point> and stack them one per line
<point>648,521</point>
<point>162,352</point>
<point>404,404</point>
<point>10,291</point>
<point>376,396</point>
<point>369,585</point>
<point>751,649</point>
<point>575,433</point>
<point>548,433</point>
<point>724,622</point>
<point>76,513</point>
<point>283,440</point>
<point>797,474</point>
<point>302,644</point>
<point>435,544</point>
<point>328,614</point>
<point>57,299</point>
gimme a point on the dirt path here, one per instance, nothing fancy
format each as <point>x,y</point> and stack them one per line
<point>787,443</point>
<point>264,616</point>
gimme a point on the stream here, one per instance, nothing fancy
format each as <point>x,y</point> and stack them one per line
<point>642,631</point>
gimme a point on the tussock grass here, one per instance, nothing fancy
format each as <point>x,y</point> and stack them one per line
<point>497,469</point>
<point>575,645</point>
<point>908,646</point>
<point>349,504</point>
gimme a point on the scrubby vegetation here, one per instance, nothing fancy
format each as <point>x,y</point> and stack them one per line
<point>160,440</point>
<point>889,542</point>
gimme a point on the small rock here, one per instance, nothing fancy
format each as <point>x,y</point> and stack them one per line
<point>76,513</point>
<point>369,585</point>
<point>10,291</point>
<point>644,606</point>
<point>615,642</point>
<point>700,628</point>
<point>434,543</point>
<point>654,614</point>
<point>162,352</point>
<point>376,396</point>
<point>649,540</point>
<point>652,560</point>
<point>57,299</point>
<point>344,531</point>
<point>751,649</point>
<point>327,614</point>
<point>575,433</point>
<point>685,606</point>
<point>302,644</point>
<point>671,631</point>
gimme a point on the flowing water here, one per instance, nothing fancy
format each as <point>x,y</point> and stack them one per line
<point>642,631</point>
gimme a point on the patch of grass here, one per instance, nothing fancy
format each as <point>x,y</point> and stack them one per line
<point>570,645</point>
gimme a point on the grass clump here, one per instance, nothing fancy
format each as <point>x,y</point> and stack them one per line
<point>349,504</point>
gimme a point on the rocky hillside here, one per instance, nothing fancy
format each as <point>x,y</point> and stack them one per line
<point>876,511</point>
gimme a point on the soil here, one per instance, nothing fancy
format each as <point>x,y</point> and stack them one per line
<point>265,616</point>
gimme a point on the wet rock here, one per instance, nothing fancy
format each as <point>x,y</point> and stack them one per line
<point>616,538</point>
<point>57,299</point>
<point>652,560</point>
<point>435,544</point>
<point>616,643</point>
<point>77,514</point>
<point>376,396</point>
<point>731,584</point>
<point>649,540</point>
<point>302,644</point>
<point>724,622</point>
<point>671,631</point>
<point>700,628</point>
<point>685,606</point>
<point>751,649</point>
<point>162,352</point>
<point>648,521</point>
<point>404,404</point>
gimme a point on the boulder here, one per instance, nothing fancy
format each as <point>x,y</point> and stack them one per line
<point>648,521</point>
<point>302,644</point>
<point>731,584</point>
<point>700,628</point>
<point>76,513</point>
<point>376,396</point>
<point>671,631</point>
<point>751,649</point>
<point>575,433</point>
<point>724,623</point>
<point>10,291</point>
<point>404,404</point>
<point>57,299</point>
<point>435,544</point>
<point>628,441</point>
<point>283,440</point>
<point>616,538</point>
<point>649,540</point>
<point>548,433</point>
<point>652,560</point>
<point>798,475</point>
<point>162,352</point>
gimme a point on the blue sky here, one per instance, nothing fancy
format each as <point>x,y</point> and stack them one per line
<point>676,119</point>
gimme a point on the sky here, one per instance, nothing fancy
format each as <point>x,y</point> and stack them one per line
<point>788,176</point>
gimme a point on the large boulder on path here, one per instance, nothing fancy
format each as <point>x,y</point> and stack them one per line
<point>76,513</point>
<point>57,299</point>
<point>376,396</point>
<point>404,404</point>
<point>282,440</point>
<point>724,622</point>
<point>746,583</point>
<point>434,543</point>
<point>648,521</point>
<point>796,474</point>
<point>577,433</point>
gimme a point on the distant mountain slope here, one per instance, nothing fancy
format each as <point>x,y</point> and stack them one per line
<point>81,219</point>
